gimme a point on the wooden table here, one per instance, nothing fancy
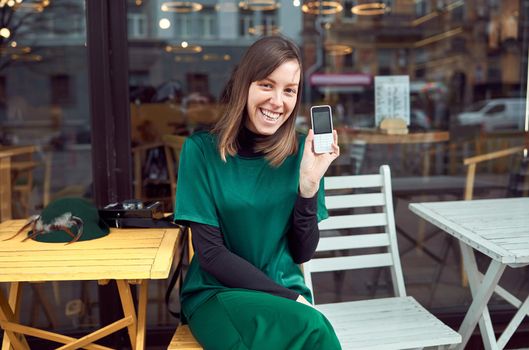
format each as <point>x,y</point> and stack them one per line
<point>498,228</point>
<point>374,136</point>
<point>125,255</point>
<point>356,141</point>
<point>6,153</point>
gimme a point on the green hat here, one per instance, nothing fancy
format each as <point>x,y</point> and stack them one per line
<point>76,215</point>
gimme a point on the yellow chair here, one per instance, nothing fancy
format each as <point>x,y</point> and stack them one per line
<point>472,162</point>
<point>183,339</point>
<point>172,147</point>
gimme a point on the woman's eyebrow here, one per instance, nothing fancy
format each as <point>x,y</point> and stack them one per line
<point>274,82</point>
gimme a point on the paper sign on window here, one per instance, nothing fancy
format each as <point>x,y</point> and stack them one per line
<point>392,98</point>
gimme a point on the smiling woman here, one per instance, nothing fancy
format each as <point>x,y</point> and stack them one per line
<point>250,191</point>
<point>271,100</point>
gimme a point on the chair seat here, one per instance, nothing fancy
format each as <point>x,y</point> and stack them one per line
<point>183,339</point>
<point>389,323</point>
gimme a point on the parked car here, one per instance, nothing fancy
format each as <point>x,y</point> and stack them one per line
<point>495,114</point>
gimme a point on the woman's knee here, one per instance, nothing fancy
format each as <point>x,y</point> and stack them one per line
<point>320,333</point>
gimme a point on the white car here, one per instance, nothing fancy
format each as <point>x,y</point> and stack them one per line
<point>495,114</point>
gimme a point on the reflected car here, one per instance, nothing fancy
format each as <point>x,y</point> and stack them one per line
<point>495,114</point>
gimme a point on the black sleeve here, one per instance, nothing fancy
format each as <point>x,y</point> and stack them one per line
<point>228,268</point>
<point>304,235</point>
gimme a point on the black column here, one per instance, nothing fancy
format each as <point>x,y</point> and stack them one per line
<point>110,122</point>
<point>109,101</point>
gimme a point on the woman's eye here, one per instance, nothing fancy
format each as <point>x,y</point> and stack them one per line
<point>265,85</point>
<point>290,91</point>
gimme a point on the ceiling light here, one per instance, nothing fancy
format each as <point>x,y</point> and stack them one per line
<point>37,6</point>
<point>181,6</point>
<point>322,8</point>
<point>164,23</point>
<point>338,49</point>
<point>259,5</point>
<point>264,29</point>
<point>370,9</point>
<point>14,50</point>
<point>26,58</point>
<point>187,59</point>
<point>5,33</point>
<point>184,47</point>
<point>211,57</point>
<point>296,3</point>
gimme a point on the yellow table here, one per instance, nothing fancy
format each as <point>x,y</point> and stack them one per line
<point>125,255</point>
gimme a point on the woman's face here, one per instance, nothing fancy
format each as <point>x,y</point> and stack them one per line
<point>271,100</point>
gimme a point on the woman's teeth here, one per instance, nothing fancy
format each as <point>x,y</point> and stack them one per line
<point>270,116</point>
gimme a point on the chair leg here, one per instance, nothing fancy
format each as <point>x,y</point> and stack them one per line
<point>40,299</point>
<point>447,244</point>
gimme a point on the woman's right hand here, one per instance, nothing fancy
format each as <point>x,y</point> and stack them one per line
<point>301,299</point>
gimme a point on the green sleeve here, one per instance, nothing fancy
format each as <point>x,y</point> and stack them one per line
<point>322,209</point>
<point>194,199</point>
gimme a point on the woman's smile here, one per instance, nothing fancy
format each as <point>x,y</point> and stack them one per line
<point>269,115</point>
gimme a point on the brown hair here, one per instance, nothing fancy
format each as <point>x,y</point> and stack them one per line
<point>259,61</point>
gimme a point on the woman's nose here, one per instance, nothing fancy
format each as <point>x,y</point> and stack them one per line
<point>277,98</point>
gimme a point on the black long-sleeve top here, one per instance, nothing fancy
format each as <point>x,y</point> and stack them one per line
<point>214,256</point>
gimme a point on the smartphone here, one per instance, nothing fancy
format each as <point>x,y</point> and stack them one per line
<point>321,118</point>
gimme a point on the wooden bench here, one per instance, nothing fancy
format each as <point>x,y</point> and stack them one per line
<point>183,339</point>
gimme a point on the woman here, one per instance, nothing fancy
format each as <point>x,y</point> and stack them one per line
<point>251,192</point>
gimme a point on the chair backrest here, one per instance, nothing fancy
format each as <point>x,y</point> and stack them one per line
<point>369,207</point>
<point>472,162</point>
<point>172,146</point>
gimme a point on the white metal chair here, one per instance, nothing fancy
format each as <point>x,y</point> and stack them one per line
<point>399,322</point>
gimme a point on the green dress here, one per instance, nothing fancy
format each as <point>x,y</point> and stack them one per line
<point>252,204</point>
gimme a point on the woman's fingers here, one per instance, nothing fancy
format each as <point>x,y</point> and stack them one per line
<point>309,138</point>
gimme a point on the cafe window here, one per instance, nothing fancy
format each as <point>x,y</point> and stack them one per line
<point>3,94</point>
<point>45,114</point>
<point>137,25</point>
<point>184,25</point>
<point>61,91</point>
<point>460,60</point>
<point>208,24</point>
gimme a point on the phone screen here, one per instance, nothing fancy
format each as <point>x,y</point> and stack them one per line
<point>322,122</point>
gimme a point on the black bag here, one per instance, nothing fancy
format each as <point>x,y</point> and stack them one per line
<point>182,254</point>
<point>148,216</point>
<point>133,213</point>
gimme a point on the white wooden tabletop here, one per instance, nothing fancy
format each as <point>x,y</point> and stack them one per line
<point>498,228</point>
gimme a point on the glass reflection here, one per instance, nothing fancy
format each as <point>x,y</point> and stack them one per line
<point>467,67</point>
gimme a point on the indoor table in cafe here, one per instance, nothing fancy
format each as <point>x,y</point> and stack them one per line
<point>498,228</point>
<point>411,145</point>
<point>129,256</point>
<point>7,153</point>
<point>374,136</point>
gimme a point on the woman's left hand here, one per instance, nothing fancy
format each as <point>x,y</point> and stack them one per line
<point>314,165</point>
